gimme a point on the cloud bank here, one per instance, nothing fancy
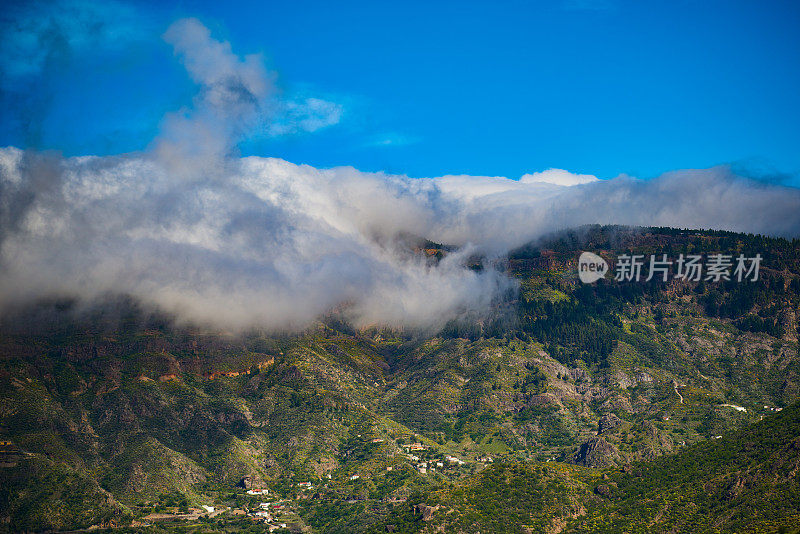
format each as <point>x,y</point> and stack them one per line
<point>558,177</point>
<point>235,242</point>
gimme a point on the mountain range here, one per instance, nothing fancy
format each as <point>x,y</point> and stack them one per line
<point>617,406</point>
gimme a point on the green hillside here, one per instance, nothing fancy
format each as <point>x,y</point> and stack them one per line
<point>746,481</point>
<point>616,405</point>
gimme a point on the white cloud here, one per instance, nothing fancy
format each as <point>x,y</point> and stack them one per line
<point>237,96</point>
<point>276,244</point>
<point>558,177</point>
<point>227,80</point>
<point>302,115</point>
<point>239,242</point>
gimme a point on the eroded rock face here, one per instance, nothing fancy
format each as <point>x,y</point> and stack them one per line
<point>597,452</point>
<point>605,490</point>
<point>608,423</point>
<point>426,511</point>
<point>656,443</point>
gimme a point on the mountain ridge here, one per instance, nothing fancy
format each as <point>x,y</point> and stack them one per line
<point>135,415</point>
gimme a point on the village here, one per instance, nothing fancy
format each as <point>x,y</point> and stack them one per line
<point>275,515</point>
<point>253,501</point>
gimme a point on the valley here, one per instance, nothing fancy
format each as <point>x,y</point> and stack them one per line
<point>569,408</point>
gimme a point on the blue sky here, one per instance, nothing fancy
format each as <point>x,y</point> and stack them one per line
<point>426,89</point>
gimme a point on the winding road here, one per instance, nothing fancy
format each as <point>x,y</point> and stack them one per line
<point>675,386</point>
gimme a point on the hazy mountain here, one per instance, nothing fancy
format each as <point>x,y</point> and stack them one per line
<point>565,406</point>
